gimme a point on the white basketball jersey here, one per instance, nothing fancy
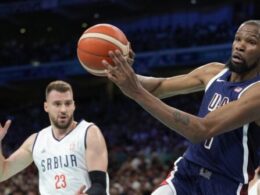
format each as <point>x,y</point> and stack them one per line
<point>61,163</point>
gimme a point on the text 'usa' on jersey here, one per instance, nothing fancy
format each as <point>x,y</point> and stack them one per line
<point>233,154</point>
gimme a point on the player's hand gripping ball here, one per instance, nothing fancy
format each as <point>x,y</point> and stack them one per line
<point>94,44</point>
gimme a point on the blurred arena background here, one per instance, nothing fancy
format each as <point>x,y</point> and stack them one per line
<point>38,40</point>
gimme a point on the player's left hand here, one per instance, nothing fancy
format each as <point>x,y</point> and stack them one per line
<point>123,75</point>
<point>81,190</point>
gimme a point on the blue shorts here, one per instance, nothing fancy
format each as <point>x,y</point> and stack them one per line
<point>188,178</point>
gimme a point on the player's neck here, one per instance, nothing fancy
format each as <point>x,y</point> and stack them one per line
<point>60,133</point>
<point>235,77</point>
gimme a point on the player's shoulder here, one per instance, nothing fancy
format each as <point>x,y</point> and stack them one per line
<point>29,142</point>
<point>84,123</point>
<point>206,72</point>
<point>45,129</point>
<point>93,128</point>
<point>213,67</point>
<point>94,131</point>
<point>250,95</point>
<point>32,137</point>
<point>253,88</point>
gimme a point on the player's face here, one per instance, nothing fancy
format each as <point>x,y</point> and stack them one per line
<point>245,49</point>
<point>60,107</point>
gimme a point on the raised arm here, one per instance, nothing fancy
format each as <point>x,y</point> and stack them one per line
<point>194,81</point>
<point>17,161</point>
<point>226,118</point>
<point>232,115</point>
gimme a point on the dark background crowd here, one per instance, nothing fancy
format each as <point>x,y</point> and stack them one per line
<point>141,150</point>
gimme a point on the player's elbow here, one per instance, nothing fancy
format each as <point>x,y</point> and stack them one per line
<point>195,139</point>
<point>200,132</point>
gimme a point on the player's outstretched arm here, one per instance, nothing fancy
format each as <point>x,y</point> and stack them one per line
<point>17,161</point>
<point>97,161</point>
<point>226,118</point>
<point>194,81</point>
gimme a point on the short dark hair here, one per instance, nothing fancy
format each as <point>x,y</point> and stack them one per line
<point>60,86</point>
<point>253,22</point>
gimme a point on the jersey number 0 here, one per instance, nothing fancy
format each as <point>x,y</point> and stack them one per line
<point>217,101</point>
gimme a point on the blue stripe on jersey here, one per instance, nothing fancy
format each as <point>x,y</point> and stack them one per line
<point>232,154</point>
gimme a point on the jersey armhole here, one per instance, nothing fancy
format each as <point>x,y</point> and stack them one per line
<point>215,77</point>
<point>85,137</point>
<point>34,142</point>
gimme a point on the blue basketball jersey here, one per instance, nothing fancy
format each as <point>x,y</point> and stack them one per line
<point>232,154</point>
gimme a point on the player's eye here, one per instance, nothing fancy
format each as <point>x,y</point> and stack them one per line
<point>237,39</point>
<point>56,103</point>
<point>252,42</point>
<point>68,103</point>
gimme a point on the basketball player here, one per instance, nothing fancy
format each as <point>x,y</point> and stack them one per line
<point>221,158</point>
<point>68,154</point>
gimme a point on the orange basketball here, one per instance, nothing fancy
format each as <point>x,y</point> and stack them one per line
<point>94,44</point>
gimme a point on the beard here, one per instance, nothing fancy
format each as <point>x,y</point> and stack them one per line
<point>62,125</point>
<point>240,68</point>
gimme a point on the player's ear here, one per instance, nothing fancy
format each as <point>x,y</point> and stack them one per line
<point>45,107</point>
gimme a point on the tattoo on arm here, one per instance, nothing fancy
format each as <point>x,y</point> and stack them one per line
<point>180,118</point>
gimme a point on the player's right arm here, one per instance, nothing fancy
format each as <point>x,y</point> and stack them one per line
<point>17,161</point>
<point>194,81</point>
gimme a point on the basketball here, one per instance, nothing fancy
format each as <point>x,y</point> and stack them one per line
<point>94,44</point>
